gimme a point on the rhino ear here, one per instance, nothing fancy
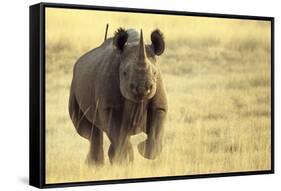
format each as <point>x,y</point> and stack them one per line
<point>120,38</point>
<point>158,43</point>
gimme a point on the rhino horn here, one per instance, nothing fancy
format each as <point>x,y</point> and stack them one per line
<point>141,53</point>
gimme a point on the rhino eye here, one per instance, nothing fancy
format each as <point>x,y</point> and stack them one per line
<point>125,73</point>
<point>154,73</point>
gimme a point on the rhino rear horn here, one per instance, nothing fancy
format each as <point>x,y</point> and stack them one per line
<point>158,43</point>
<point>120,38</point>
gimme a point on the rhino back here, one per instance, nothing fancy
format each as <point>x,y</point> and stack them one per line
<point>96,80</point>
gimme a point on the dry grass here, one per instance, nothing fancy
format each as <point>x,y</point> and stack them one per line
<point>217,76</point>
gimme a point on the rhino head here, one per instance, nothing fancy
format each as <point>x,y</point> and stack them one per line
<point>138,70</point>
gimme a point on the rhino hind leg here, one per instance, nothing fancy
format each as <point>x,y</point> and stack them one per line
<point>87,130</point>
<point>81,123</point>
<point>96,155</point>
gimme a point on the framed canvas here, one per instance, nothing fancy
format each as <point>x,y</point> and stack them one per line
<point>122,95</point>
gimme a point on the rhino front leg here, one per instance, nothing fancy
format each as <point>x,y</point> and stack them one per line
<point>152,146</point>
<point>121,152</point>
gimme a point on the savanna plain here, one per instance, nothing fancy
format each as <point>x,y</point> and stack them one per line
<point>217,76</point>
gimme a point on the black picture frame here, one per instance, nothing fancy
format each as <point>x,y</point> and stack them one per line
<point>37,94</point>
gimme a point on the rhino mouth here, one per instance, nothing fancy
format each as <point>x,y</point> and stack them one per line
<point>137,99</point>
<point>140,98</point>
<point>138,94</point>
<point>141,93</point>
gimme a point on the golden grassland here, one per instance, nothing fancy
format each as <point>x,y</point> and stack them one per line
<point>217,76</point>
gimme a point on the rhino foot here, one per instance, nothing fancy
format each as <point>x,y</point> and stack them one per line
<point>92,162</point>
<point>149,150</point>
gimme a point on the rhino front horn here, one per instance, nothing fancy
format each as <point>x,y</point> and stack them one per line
<point>141,53</point>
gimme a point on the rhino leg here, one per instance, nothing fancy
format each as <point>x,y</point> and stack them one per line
<point>120,150</point>
<point>152,146</point>
<point>121,153</point>
<point>82,125</point>
<point>96,155</point>
<point>87,130</point>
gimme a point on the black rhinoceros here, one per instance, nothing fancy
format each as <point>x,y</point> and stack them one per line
<point>117,88</point>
